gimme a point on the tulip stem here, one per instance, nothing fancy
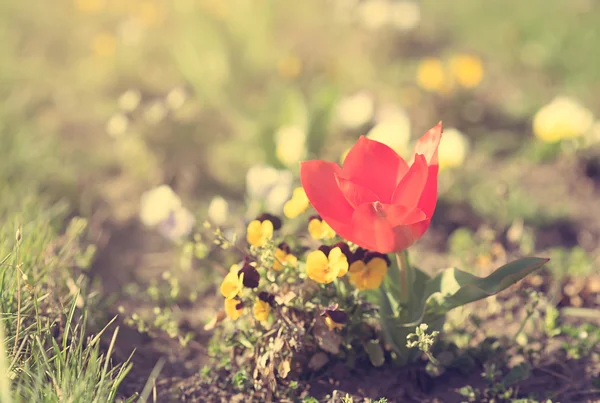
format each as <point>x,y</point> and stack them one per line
<point>407,276</point>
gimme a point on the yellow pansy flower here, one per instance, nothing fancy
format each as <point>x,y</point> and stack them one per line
<point>233,308</point>
<point>562,118</point>
<point>259,233</point>
<point>104,44</point>
<point>319,229</point>
<point>467,70</point>
<point>290,66</point>
<point>297,205</point>
<point>431,75</point>
<point>326,268</point>
<point>261,310</point>
<point>232,284</point>
<point>284,256</point>
<point>368,276</point>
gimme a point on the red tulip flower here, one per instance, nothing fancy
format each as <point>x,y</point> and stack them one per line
<point>376,199</point>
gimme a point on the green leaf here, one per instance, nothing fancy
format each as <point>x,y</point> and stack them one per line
<point>517,374</point>
<point>453,287</point>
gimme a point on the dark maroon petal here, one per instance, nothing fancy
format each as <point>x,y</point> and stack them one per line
<point>372,255</point>
<point>314,217</point>
<point>239,306</point>
<point>285,247</point>
<point>359,254</point>
<point>325,249</point>
<point>338,316</point>
<point>276,221</point>
<point>266,297</point>
<point>251,276</point>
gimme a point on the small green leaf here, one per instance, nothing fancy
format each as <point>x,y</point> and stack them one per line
<point>517,374</point>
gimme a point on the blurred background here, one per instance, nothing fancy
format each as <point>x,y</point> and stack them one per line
<point>104,101</point>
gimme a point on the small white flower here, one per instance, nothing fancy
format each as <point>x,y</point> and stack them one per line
<point>405,15</point>
<point>355,110</point>
<point>157,204</point>
<point>290,144</point>
<point>392,128</point>
<point>176,98</point>
<point>280,193</point>
<point>117,125</point>
<point>218,210</point>
<point>374,14</point>
<point>130,100</point>
<point>178,224</point>
<point>260,179</point>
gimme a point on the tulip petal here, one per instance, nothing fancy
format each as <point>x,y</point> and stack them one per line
<point>319,181</point>
<point>375,166</point>
<point>408,192</point>
<point>428,144</point>
<point>356,194</point>
<point>429,196</point>
<point>387,228</point>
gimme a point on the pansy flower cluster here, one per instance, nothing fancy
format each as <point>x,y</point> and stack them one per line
<point>271,265</point>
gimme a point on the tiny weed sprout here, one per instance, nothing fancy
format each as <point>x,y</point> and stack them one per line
<point>331,278</point>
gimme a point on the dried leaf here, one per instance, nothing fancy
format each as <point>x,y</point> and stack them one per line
<point>218,318</point>
<point>283,369</point>
<point>284,299</point>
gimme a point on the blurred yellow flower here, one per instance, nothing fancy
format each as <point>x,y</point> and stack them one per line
<point>562,118</point>
<point>289,66</point>
<point>232,284</point>
<point>233,308</point>
<point>217,8</point>
<point>262,309</point>
<point>104,44</point>
<point>89,6</point>
<point>290,144</point>
<point>319,229</point>
<point>150,14</point>
<point>467,70</point>
<point>453,149</point>
<point>297,205</point>
<point>324,269</point>
<point>259,233</point>
<point>431,75</point>
<point>284,257</point>
<point>368,276</point>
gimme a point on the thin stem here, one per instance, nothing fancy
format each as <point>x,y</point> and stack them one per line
<point>407,276</point>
